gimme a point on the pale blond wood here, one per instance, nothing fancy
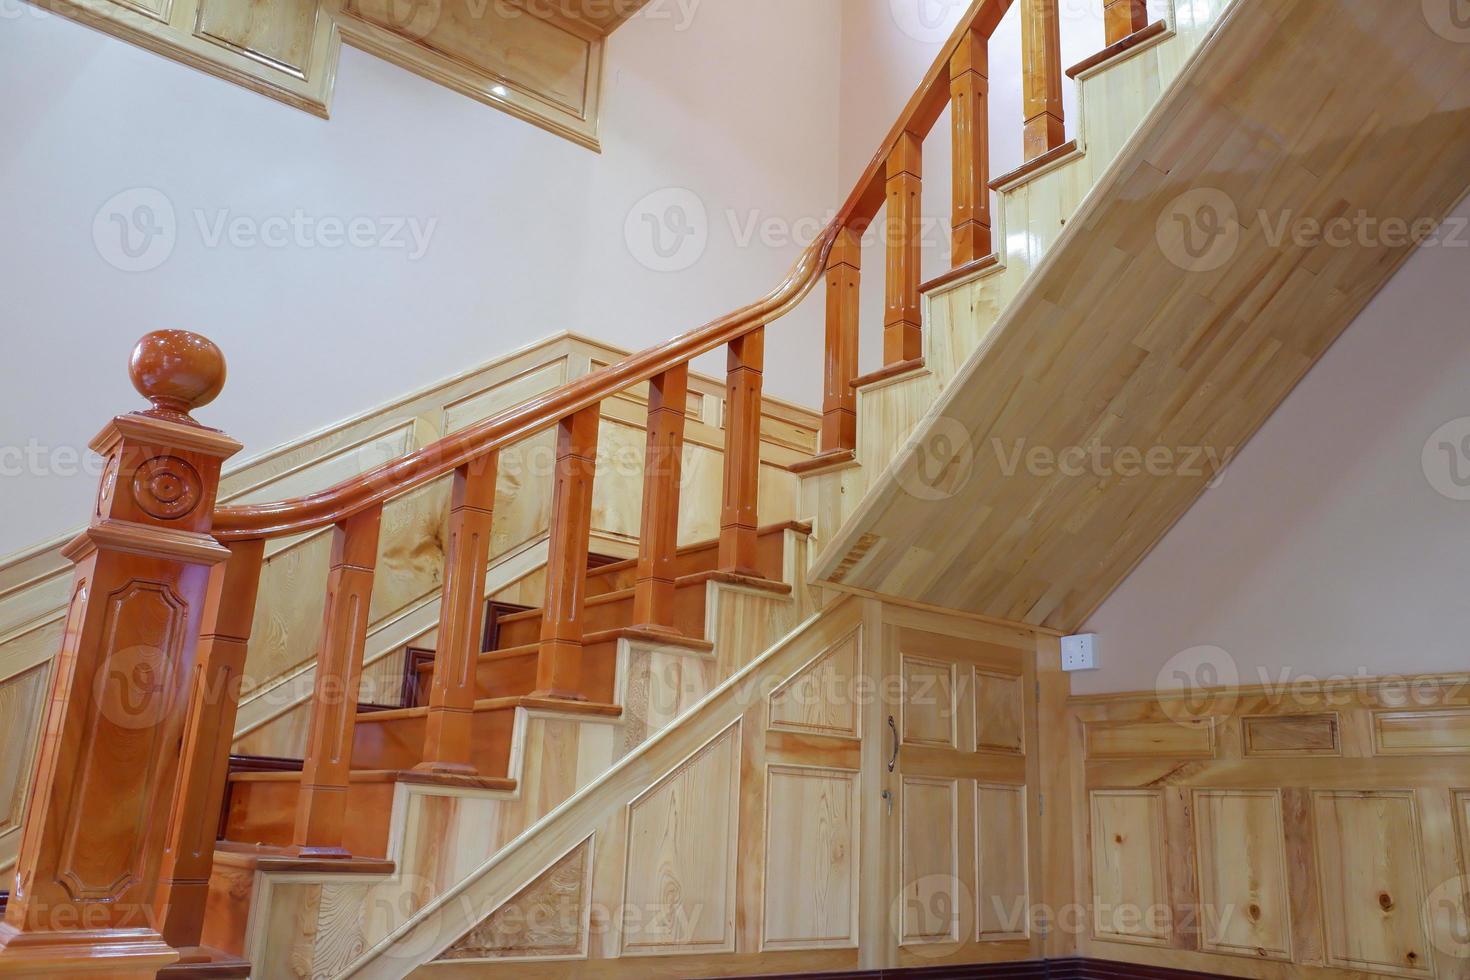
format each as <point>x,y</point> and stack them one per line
<point>1372,896</point>
<point>1002,851</point>
<point>1129,876</point>
<point>1038,545</point>
<point>930,713</point>
<point>548,919</point>
<point>822,699</point>
<point>931,902</point>
<point>1240,847</point>
<point>811,882</point>
<point>1422,732</point>
<point>1165,738</point>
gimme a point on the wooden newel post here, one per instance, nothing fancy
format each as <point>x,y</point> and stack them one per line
<point>1041,70</point>
<point>1124,17</point>
<point>559,664</point>
<point>108,764</point>
<point>740,509</point>
<point>902,330</point>
<point>969,90</point>
<point>461,619</point>
<point>839,400</point>
<point>663,464</point>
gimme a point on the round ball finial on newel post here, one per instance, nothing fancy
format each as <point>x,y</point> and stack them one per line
<point>177,371</point>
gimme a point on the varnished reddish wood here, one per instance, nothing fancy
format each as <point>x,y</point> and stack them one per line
<point>98,814</point>
<point>889,371</point>
<point>1041,70</point>
<point>452,693</point>
<point>839,401</point>
<point>188,857</point>
<point>1121,46</point>
<point>558,673</point>
<point>177,371</point>
<point>902,339</point>
<point>653,600</point>
<point>969,90</point>
<point>740,508</point>
<point>1124,17</point>
<point>322,805</point>
<point>960,272</point>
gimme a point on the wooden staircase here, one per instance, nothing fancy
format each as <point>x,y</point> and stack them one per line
<point>388,745</point>
<point>525,752</point>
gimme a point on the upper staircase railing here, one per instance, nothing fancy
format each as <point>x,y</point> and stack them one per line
<point>120,827</point>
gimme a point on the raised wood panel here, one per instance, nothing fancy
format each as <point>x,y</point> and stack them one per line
<point>930,712</point>
<point>284,49</point>
<point>1443,732</point>
<point>811,882</point>
<point>1129,883</point>
<point>22,700</point>
<point>492,51</point>
<point>277,33</point>
<point>1002,857</point>
<point>1161,739</point>
<point>1369,859</point>
<point>1245,907</point>
<point>930,893</point>
<point>1292,735</point>
<point>548,919</point>
<point>679,877</point>
<point>822,699</point>
<point>1000,713</point>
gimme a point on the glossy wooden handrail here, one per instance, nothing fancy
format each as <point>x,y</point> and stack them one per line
<point>337,503</point>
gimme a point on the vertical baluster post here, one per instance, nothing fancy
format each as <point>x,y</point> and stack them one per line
<point>559,666</point>
<point>1124,17</point>
<point>740,509</point>
<point>653,595</point>
<point>188,857</point>
<point>839,400</point>
<point>322,806</point>
<point>902,338</point>
<point>1041,71</point>
<point>461,619</point>
<point>106,769</point>
<point>969,89</point>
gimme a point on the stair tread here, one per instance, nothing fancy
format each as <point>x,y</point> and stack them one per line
<point>693,579</point>
<point>500,704</point>
<point>598,636</point>
<point>388,776</point>
<point>800,527</point>
<point>266,857</point>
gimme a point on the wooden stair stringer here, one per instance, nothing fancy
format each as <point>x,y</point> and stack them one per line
<point>440,923</point>
<point>1032,209</point>
<point>437,834</point>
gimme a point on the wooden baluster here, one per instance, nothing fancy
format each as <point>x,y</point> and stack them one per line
<point>839,400</point>
<point>461,619</point>
<point>107,765</point>
<point>739,514</point>
<point>1041,70</point>
<point>559,666</point>
<point>1124,17</point>
<point>653,596</point>
<point>188,858</point>
<point>902,340</point>
<point>969,90</point>
<point>322,806</point>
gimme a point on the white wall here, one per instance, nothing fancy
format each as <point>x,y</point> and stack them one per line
<point>740,107</point>
<point>1338,542</point>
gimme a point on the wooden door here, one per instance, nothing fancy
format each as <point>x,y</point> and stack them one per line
<point>958,718</point>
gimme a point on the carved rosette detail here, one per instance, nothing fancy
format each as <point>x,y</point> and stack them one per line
<point>167,488</point>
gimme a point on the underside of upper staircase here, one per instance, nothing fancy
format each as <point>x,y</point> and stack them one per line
<point>1269,196</point>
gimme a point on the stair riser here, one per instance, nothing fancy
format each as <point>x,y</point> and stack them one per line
<point>265,813</point>
<point>398,743</point>
<point>770,558</point>
<point>688,617</point>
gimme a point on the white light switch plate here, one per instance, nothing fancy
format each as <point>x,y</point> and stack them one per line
<point>1079,652</point>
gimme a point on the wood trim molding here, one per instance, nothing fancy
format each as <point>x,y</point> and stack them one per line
<point>1064,969</point>
<point>1118,49</point>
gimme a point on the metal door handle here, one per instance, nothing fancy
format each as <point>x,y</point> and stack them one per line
<point>893,760</point>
